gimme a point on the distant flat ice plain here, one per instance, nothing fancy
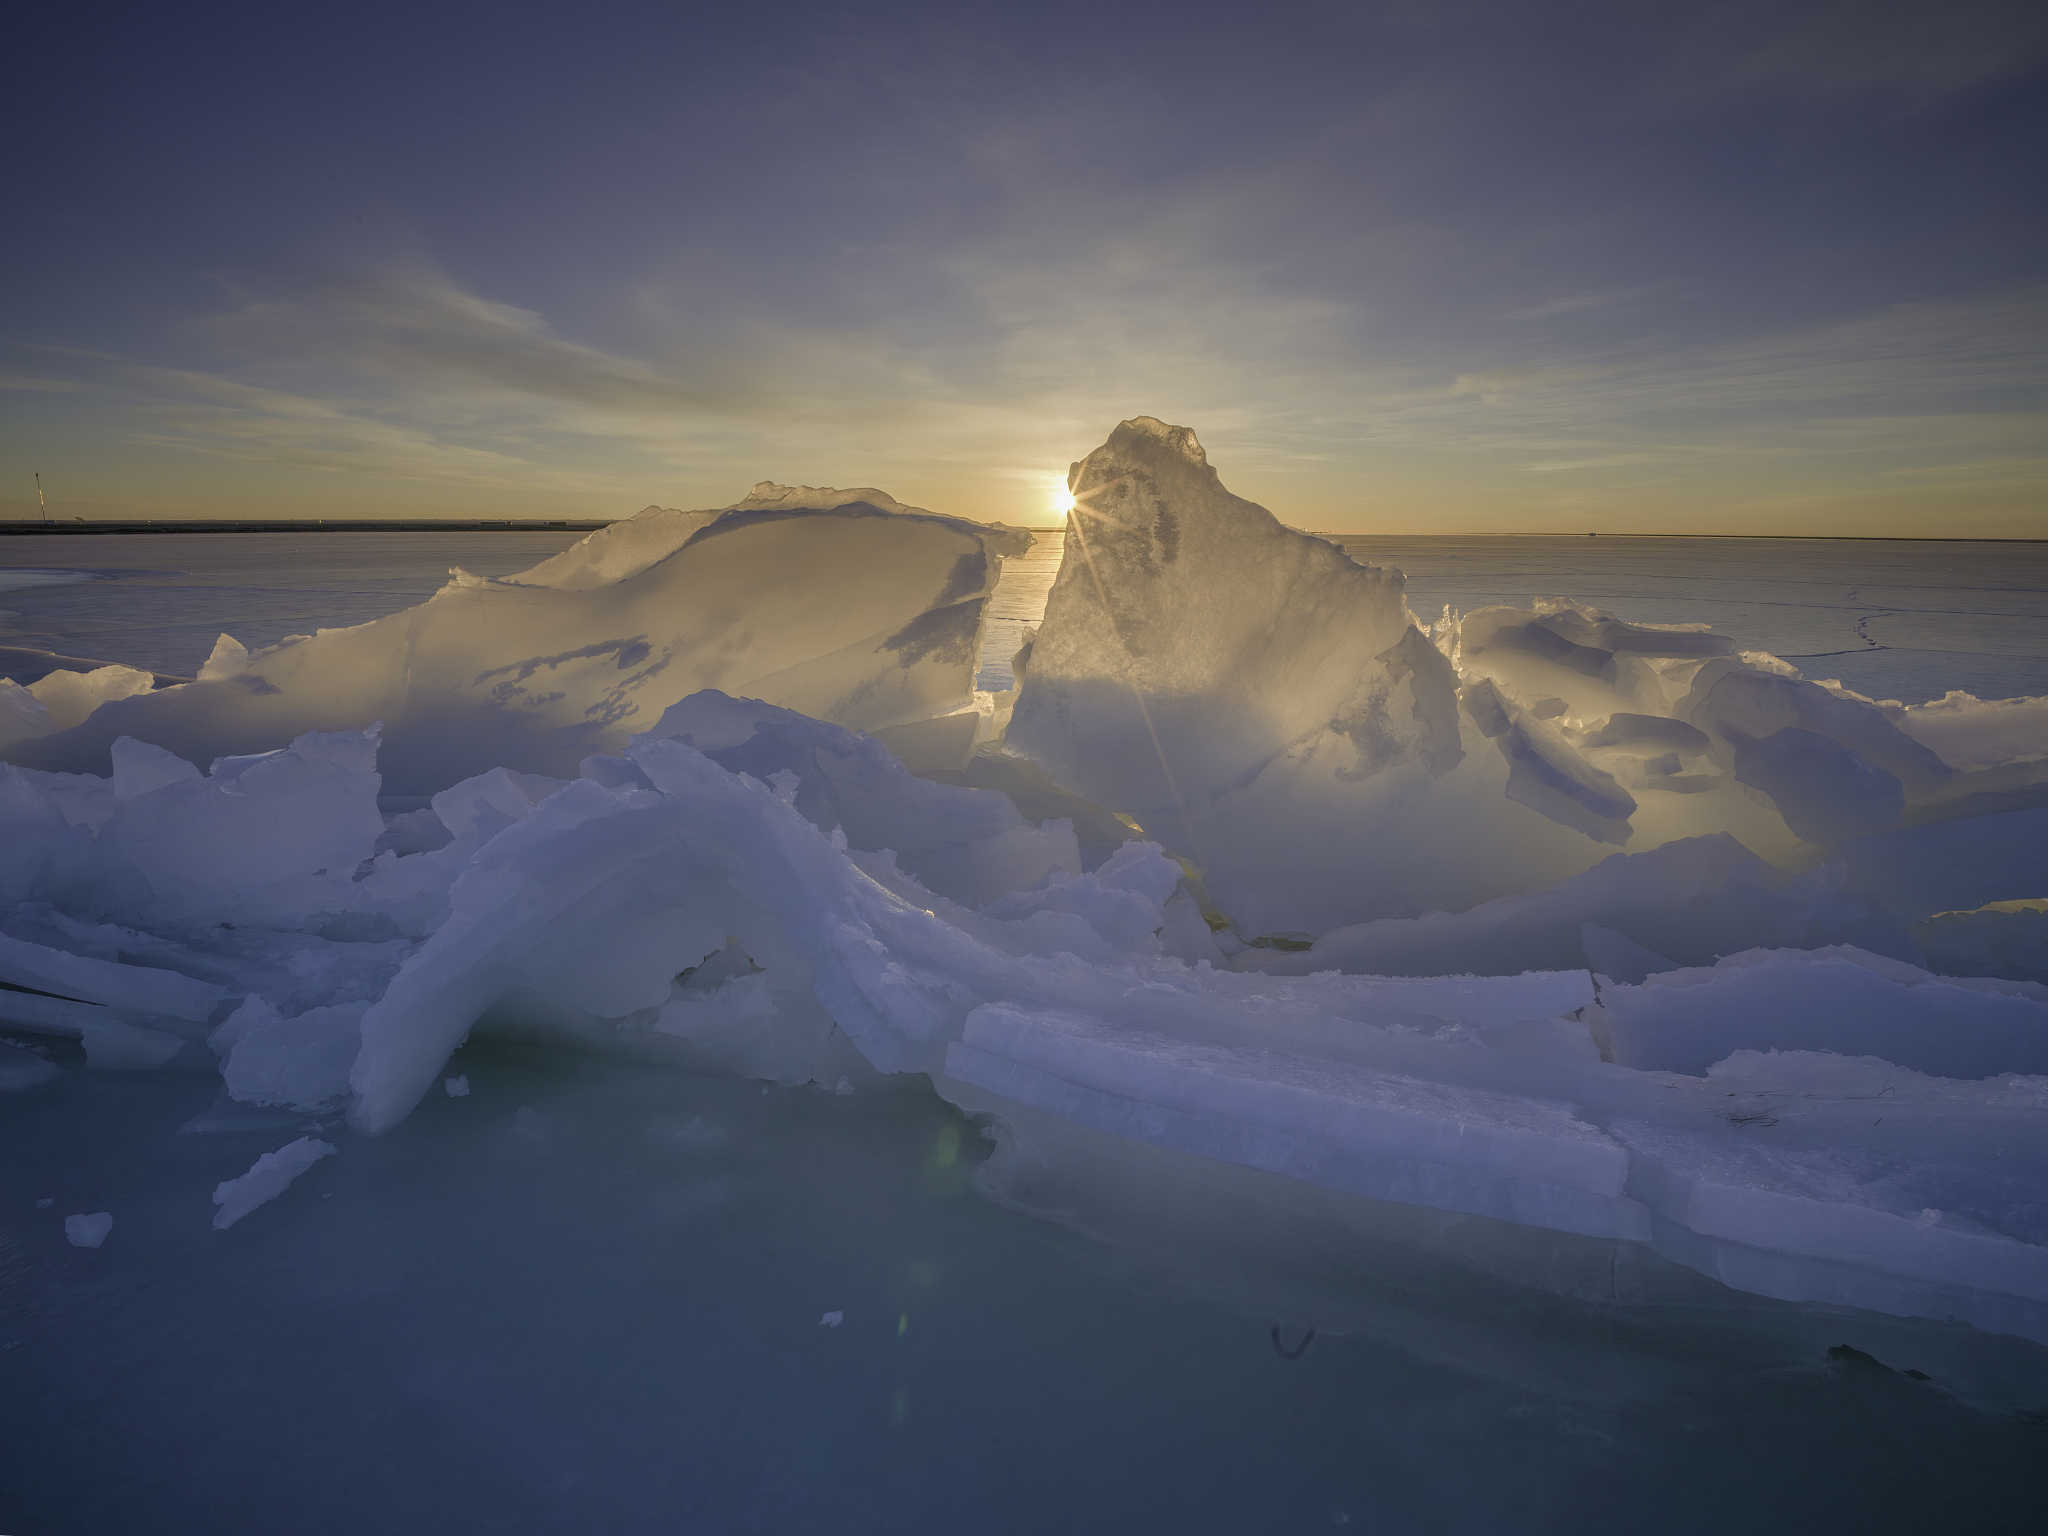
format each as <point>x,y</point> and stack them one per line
<point>587,1298</point>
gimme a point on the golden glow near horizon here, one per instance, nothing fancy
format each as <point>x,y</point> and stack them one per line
<point>1060,500</point>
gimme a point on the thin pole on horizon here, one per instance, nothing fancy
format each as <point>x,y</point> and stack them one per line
<point>41,506</point>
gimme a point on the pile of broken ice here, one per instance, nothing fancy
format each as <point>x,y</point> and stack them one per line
<point>1587,927</point>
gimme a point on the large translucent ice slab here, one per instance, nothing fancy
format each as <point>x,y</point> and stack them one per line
<point>861,612</point>
<point>1265,706</point>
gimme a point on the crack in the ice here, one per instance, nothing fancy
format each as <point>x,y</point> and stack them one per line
<point>1869,645</point>
<point>1864,635</point>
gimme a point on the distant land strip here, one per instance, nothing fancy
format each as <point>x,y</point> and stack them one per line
<point>316,525</point>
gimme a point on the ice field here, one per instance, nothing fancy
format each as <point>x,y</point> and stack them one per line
<point>1223,1029</point>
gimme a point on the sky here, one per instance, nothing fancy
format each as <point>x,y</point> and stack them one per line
<point>1423,266</point>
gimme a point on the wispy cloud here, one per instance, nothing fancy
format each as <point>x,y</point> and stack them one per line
<point>57,351</point>
<point>431,332</point>
<point>223,418</point>
<point>1587,303</point>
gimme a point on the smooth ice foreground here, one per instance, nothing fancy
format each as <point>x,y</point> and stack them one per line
<point>1605,938</point>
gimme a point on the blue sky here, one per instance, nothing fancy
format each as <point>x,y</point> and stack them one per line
<point>1405,267</point>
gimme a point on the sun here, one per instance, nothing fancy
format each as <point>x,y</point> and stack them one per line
<point>1059,500</point>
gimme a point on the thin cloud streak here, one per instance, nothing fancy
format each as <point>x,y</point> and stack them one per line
<point>1585,303</point>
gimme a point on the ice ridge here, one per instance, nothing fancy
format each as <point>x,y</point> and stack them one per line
<point>1603,932</point>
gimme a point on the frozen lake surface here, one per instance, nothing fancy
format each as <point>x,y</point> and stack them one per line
<point>608,1321</point>
<point>586,1295</point>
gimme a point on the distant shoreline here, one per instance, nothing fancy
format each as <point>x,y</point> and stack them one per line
<point>316,525</point>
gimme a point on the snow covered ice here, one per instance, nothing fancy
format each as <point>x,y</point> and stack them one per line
<point>1525,937</point>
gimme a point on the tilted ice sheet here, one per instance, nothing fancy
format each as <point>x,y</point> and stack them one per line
<point>866,615</point>
<point>1263,705</point>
